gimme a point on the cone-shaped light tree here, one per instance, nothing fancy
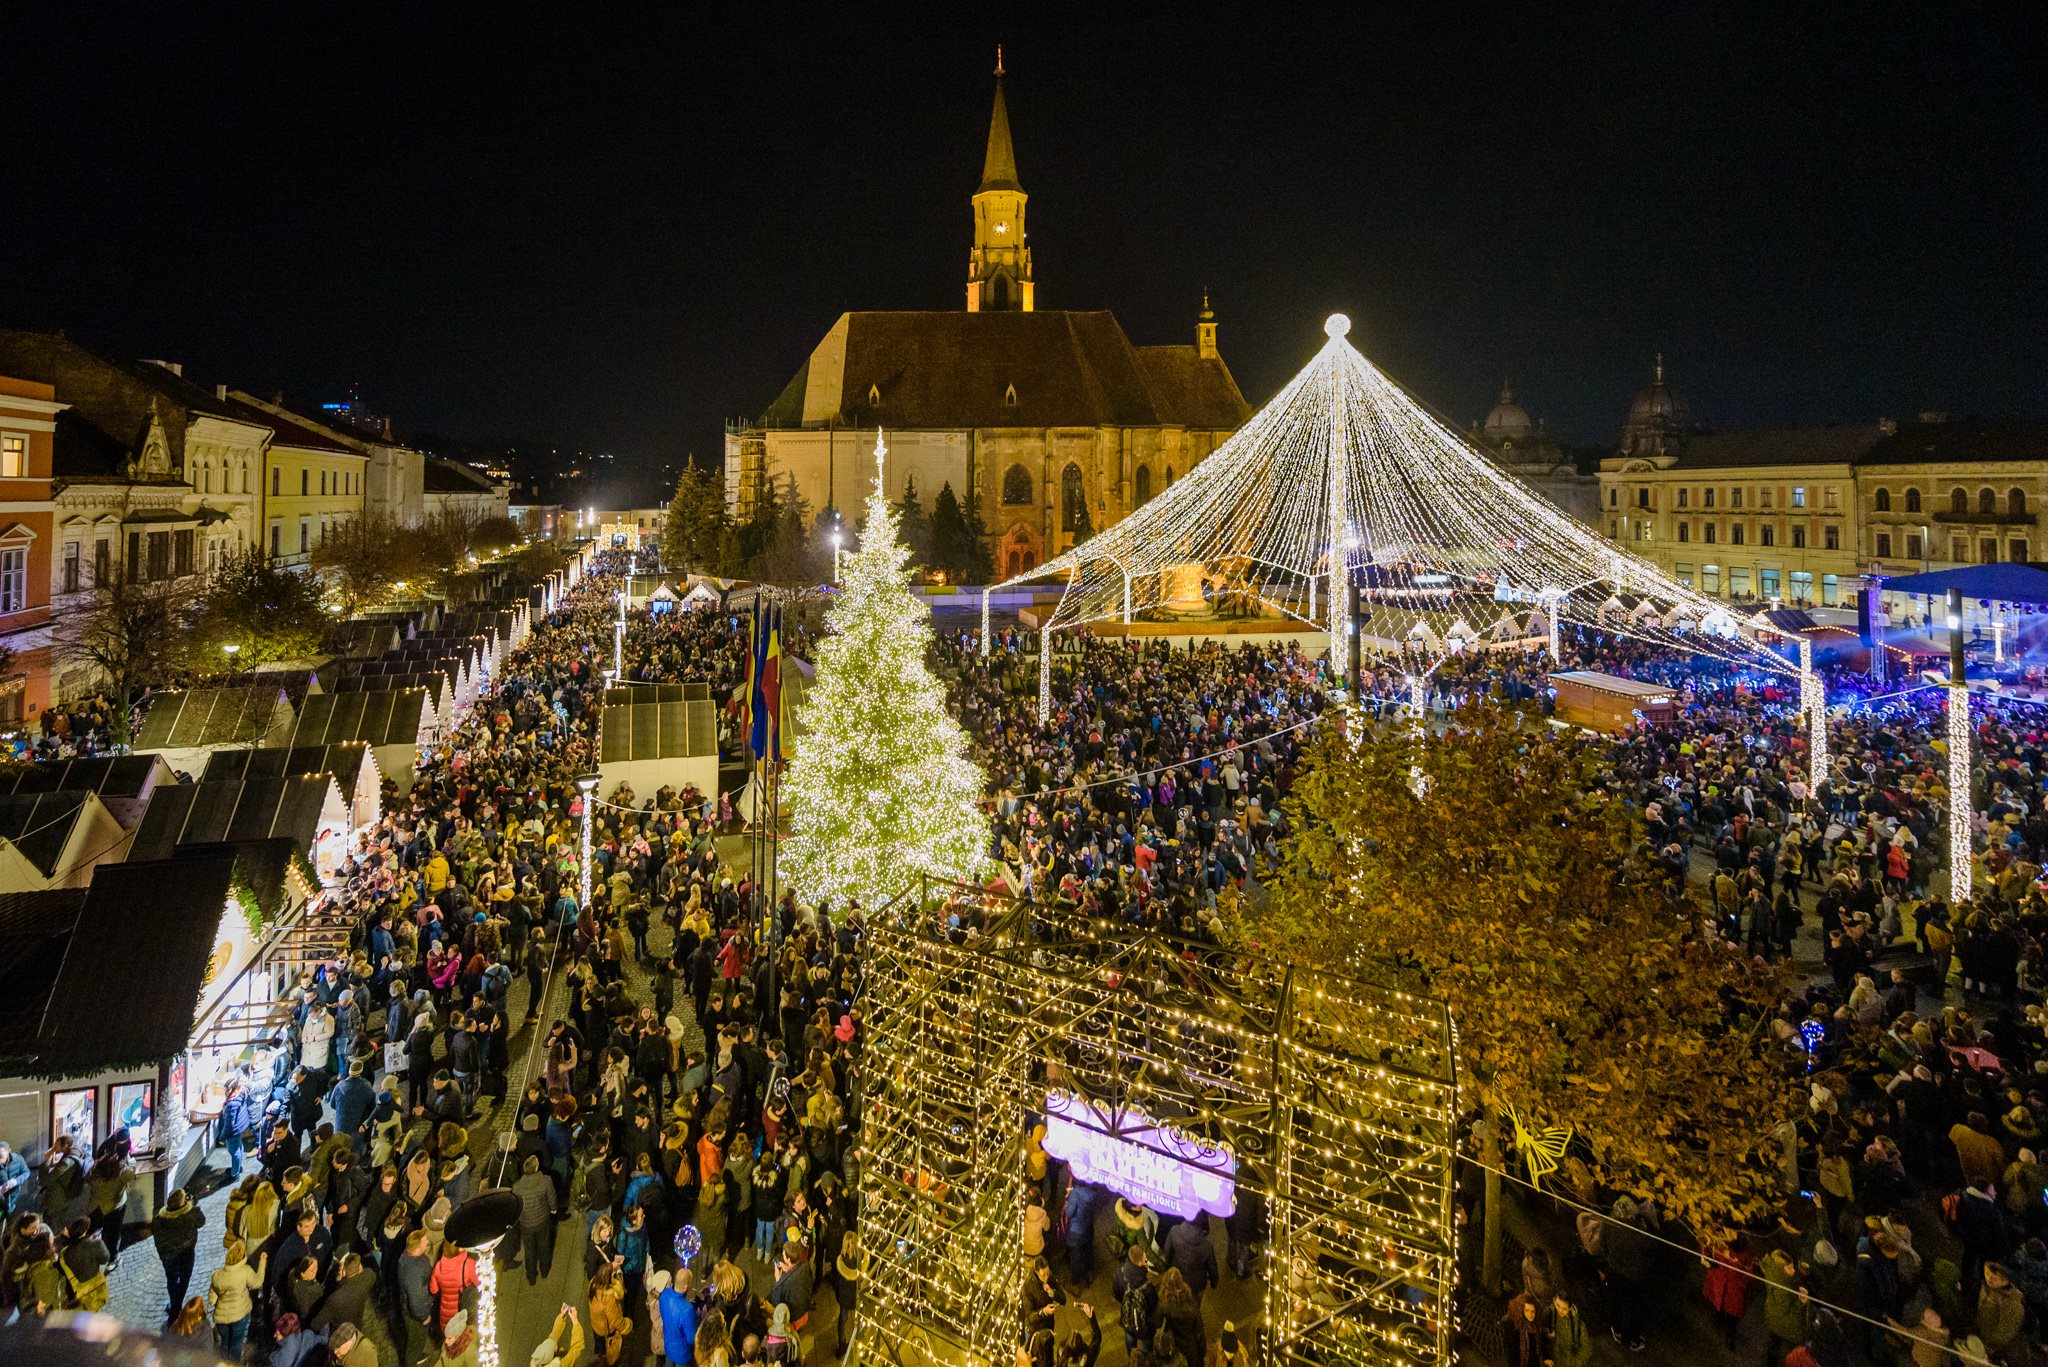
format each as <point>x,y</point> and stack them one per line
<point>881,788</point>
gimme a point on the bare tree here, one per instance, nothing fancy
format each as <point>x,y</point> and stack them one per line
<point>132,633</point>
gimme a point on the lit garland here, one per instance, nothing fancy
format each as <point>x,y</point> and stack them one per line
<point>487,1309</point>
<point>1338,1100</point>
<point>1343,472</point>
<point>1958,793</point>
<point>881,788</point>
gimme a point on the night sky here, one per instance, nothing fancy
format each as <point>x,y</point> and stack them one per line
<point>618,226</point>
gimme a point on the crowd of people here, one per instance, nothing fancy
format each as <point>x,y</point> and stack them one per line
<point>677,1094</point>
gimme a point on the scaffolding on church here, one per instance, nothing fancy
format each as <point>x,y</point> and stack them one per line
<point>1185,1077</point>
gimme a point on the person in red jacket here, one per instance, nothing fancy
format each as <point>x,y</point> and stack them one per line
<point>453,1274</point>
<point>1729,1274</point>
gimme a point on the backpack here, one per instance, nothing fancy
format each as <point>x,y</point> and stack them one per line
<point>90,1295</point>
<point>1137,1310</point>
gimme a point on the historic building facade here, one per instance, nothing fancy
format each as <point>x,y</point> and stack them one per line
<point>1806,515</point>
<point>28,425</point>
<point>1520,445</point>
<point>1051,420</point>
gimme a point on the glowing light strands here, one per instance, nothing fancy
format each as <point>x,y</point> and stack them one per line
<point>1044,673</point>
<point>1343,466</point>
<point>881,789</point>
<point>984,624</point>
<point>1813,700</point>
<point>1958,793</point>
<point>587,785</point>
<point>487,1306</point>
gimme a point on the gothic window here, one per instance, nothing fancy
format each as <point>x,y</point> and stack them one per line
<point>1073,499</point>
<point>1016,485</point>
<point>1010,397</point>
<point>874,396</point>
<point>1912,500</point>
<point>1144,483</point>
<point>999,292</point>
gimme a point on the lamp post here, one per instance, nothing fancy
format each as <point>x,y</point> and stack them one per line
<point>587,784</point>
<point>1958,757</point>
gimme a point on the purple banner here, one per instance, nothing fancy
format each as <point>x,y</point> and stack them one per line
<point>1142,1161</point>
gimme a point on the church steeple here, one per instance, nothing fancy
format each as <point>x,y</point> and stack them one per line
<point>999,266</point>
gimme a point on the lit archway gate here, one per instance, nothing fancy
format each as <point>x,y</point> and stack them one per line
<point>1182,1076</point>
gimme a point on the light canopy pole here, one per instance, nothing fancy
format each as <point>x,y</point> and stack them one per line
<point>587,784</point>
<point>984,624</point>
<point>1813,696</point>
<point>1958,757</point>
<point>1340,518</point>
<point>1044,673</point>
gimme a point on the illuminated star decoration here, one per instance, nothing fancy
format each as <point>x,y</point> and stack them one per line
<point>1344,471</point>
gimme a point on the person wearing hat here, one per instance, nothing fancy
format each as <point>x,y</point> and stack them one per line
<point>779,1345</point>
<point>351,1347</point>
<point>2001,1311</point>
<point>458,1343</point>
<point>175,1232</point>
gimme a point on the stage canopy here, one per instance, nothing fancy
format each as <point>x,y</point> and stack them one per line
<point>1345,477</point>
<point>2009,583</point>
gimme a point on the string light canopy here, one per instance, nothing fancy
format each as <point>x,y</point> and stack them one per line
<point>1345,478</point>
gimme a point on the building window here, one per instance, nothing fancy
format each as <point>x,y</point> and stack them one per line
<point>1912,500</point>
<point>1708,532</point>
<point>1798,496</point>
<point>1763,498</point>
<point>1912,545</point>
<point>1016,485</point>
<point>1987,551</point>
<point>1958,502</point>
<point>181,553</point>
<point>1144,483</point>
<point>1767,583</point>
<point>14,579</point>
<point>1882,501</point>
<point>1683,574</point>
<point>276,540</point>
<point>1710,579</point>
<point>1767,535</point>
<point>1734,501</point>
<point>71,566</point>
<point>1685,531</point>
<point>1643,497</point>
<point>159,556</point>
<point>1737,533</point>
<point>1958,551</point>
<point>1706,498</point>
<point>1643,530</point>
<point>305,535</point>
<point>1799,538</point>
<point>1685,499</point>
<point>1829,499</point>
<point>1613,530</point>
<point>1830,590</point>
<point>323,484</point>
<point>1802,585</point>
<point>1010,397</point>
<point>102,560</point>
<point>13,456</point>
<point>1987,502</point>
<point>1884,545</point>
<point>1831,537</point>
<point>2018,553</point>
<point>1614,498</point>
<point>276,481</point>
<point>2016,502</point>
<point>1073,500</point>
<point>305,482</point>
<point>1738,581</point>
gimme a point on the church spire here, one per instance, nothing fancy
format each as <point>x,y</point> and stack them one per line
<point>999,266</point>
<point>999,166</point>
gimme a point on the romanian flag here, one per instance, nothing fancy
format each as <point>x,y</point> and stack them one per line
<point>757,669</point>
<point>771,683</point>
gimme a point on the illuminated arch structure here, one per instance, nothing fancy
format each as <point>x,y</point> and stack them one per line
<point>1331,1099</point>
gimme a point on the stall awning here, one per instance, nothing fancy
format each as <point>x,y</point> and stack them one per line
<point>2008,583</point>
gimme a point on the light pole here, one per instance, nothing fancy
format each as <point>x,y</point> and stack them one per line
<point>1958,757</point>
<point>587,784</point>
<point>838,539</point>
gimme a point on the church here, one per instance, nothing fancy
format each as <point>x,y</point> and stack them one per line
<point>1051,419</point>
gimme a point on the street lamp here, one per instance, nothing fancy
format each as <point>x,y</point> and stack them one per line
<point>587,784</point>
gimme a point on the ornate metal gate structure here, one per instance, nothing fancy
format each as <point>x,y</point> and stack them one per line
<point>1335,1099</point>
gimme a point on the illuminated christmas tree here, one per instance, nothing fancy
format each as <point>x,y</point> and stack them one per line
<point>881,788</point>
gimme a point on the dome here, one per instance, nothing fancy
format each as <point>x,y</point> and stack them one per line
<point>1508,420</point>
<point>1658,402</point>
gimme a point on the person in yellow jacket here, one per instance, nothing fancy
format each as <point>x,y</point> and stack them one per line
<point>552,1351</point>
<point>437,874</point>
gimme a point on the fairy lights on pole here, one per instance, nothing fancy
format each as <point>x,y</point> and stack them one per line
<point>1813,700</point>
<point>587,785</point>
<point>1044,673</point>
<point>1958,756</point>
<point>984,624</point>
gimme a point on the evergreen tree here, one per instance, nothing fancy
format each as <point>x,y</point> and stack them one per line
<point>978,562</point>
<point>912,524</point>
<point>694,530</point>
<point>881,788</point>
<point>949,534</point>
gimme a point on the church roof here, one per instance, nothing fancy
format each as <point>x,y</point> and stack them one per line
<point>999,165</point>
<point>957,370</point>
